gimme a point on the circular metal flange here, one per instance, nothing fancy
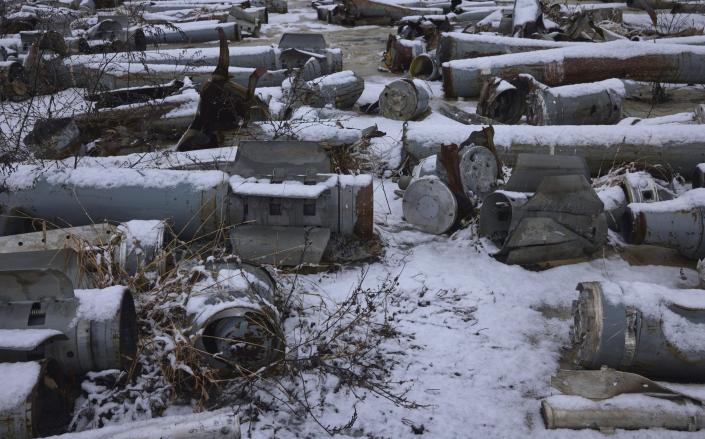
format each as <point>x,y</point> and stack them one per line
<point>430,205</point>
<point>478,170</point>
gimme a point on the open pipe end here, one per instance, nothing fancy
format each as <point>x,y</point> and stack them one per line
<point>424,67</point>
<point>633,227</point>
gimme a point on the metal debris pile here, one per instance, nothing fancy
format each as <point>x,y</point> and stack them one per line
<point>164,179</point>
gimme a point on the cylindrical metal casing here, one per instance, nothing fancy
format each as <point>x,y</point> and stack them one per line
<point>580,104</point>
<point>677,223</point>
<point>425,67</point>
<point>245,335</point>
<point>629,412</point>
<point>195,203</point>
<point>642,328</point>
<point>460,45</point>
<point>674,63</point>
<point>196,32</point>
<point>38,402</point>
<point>430,205</point>
<point>100,325</point>
<point>676,149</point>
<point>404,99</point>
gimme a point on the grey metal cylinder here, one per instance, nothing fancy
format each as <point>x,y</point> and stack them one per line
<point>677,149</point>
<point>36,405</point>
<point>341,90</point>
<point>430,205</point>
<point>221,424</point>
<point>194,203</point>
<point>629,412</point>
<point>198,32</point>
<point>99,325</point>
<point>638,327</point>
<point>580,104</point>
<point>404,99</point>
<point>460,45</point>
<point>234,318</point>
<point>677,223</point>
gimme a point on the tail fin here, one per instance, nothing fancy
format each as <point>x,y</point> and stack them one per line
<point>224,57</point>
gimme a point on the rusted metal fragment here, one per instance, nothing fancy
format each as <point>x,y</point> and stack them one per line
<point>117,97</point>
<point>400,52</point>
<point>224,105</point>
<point>576,64</point>
<point>464,117</point>
<point>504,100</point>
<point>449,158</point>
<point>13,85</point>
<point>54,138</point>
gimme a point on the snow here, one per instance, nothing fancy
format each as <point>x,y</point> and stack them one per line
<point>568,91</point>
<point>335,79</point>
<point>205,300</point>
<point>221,424</point>
<point>476,340</point>
<point>144,233</point>
<point>287,189</point>
<point>525,11</point>
<point>691,199</point>
<point>614,50</point>
<point>18,381</point>
<point>99,304</point>
<point>681,118</point>
<point>426,138</point>
<point>613,197</point>
<point>479,356</point>
<point>25,339</point>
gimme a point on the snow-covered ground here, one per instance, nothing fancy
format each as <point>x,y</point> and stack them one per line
<point>472,342</point>
<point>477,339</point>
